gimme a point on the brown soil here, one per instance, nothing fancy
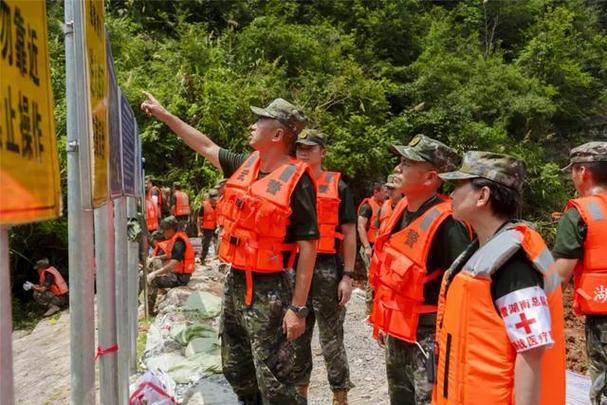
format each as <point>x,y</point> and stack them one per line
<point>574,336</point>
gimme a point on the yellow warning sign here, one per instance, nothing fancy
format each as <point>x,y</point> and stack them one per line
<point>29,170</point>
<point>94,29</point>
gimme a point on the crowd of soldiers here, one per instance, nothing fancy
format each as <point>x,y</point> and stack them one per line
<point>464,296</point>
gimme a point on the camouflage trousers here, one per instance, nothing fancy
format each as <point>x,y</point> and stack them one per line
<point>369,292</point>
<point>596,350</point>
<point>408,381</point>
<point>324,309</point>
<point>47,298</point>
<point>256,356</point>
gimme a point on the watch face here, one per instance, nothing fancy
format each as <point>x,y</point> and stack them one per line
<point>303,312</point>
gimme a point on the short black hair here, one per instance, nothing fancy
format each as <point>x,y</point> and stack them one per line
<point>505,201</point>
<point>598,170</point>
<point>377,187</point>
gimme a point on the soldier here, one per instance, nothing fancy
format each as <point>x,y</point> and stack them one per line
<point>178,264</point>
<point>271,214</point>
<point>419,242</point>
<point>51,291</point>
<point>368,213</point>
<point>387,208</point>
<point>207,222</point>
<point>180,205</point>
<point>500,323</point>
<point>153,194</point>
<point>579,250</point>
<point>332,281</point>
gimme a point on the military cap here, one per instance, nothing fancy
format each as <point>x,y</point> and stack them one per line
<point>424,149</point>
<point>502,169</point>
<point>586,153</point>
<point>311,137</point>
<point>390,181</point>
<point>41,263</point>
<point>157,235</point>
<point>176,184</point>
<point>213,193</point>
<point>169,223</point>
<point>221,182</point>
<point>285,112</point>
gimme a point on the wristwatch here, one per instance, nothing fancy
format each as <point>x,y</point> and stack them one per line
<point>301,312</point>
<point>347,273</point>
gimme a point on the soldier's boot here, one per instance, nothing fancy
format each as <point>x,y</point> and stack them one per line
<point>340,397</point>
<point>302,390</point>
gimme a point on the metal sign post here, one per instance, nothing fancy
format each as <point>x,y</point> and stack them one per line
<point>133,288</point>
<point>122,327</point>
<point>7,392</point>
<point>106,303</point>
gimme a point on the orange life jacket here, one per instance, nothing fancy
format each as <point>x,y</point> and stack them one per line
<point>256,217</point>
<point>161,245</point>
<point>185,266</point>
<point>151,215</point>
<point>208,219</point>
<point>590,274</point>
<point>155,190</point>
<point>59,286</point>
<point>327,209</point>
<point>372,228</point>
<point>182,203</point>
<point>400,273</point>
<point>219,210</point>
<point>385,212</point>
<point>476,360</point>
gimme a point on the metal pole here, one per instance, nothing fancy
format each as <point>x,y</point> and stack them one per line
<point>7,391</point>
<point>106,302</point>
<point>121,299</point>
<point>133,271</point>
<point>80,220</point>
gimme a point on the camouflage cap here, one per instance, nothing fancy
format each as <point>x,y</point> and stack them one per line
<point>311,137</point>
<point>285,112</point>
<point>502,169</point>
<point>213,193</point>
<point>424,149</point>
<point>390,181</point>
<point>157,235</point>
<point>588,152</point>
<point>176,184</point>
<point>169,223</point>
<point>41,263</point>
<point>221,182</point>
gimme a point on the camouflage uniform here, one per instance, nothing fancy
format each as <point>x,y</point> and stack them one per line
<point>47,298</point>
<point>569,244</point>
<point>596,350</point>
<point>256,356</point>
<point>408,381</point>
<point>407,371</point>
<point>324,308</point>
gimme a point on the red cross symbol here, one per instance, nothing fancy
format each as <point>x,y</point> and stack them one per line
<point>525,323</point>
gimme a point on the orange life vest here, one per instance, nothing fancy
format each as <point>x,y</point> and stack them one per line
<point>476,360</point>
<point>256,217</point>
<point>155,190</point>
<point>161,245</point>
<point>208,219</point>
<point>400,273</point>
<point>182,203</point>
<point>327,209</point>
<point>151,215</point>
<point>385,212</point>
<point>219,210</point>
<point>185,266</point>
<point>590,274</point>
<point>59,286</point>
<point>372,228</point>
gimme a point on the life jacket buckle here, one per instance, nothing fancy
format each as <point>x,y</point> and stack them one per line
<point>239,203</point>
<point>234,240</point>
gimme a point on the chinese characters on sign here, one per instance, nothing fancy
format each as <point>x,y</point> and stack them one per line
<point>98,86</point>
<point>29,169</point>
